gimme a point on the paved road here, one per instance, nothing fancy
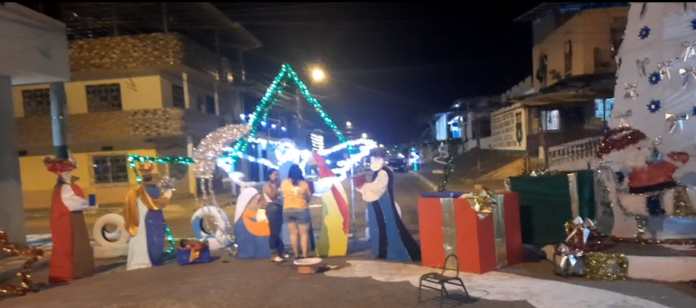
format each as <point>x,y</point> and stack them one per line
<point>258,283</point>
<point>408,189</point>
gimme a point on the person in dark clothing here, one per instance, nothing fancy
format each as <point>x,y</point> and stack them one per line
<point>274,213</point>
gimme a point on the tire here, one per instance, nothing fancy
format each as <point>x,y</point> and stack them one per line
<point>100,234</point>
<point>218,238</point>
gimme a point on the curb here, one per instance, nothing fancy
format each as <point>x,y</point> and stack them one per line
<point>425,181</point>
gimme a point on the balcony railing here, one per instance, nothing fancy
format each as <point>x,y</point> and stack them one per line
<point>573,151</point>
<point>119,125</point>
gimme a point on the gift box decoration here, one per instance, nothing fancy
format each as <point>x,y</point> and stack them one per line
<point>482,229</point>
<point>186,256</point>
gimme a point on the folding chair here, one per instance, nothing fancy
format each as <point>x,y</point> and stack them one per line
<point>441,280</point>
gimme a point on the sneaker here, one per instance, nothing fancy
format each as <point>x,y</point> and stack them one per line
<point>286,256</point>
<point>277,259</point>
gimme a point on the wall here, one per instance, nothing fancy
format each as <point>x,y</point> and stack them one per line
<point>587,30</point>
<point>136,93</point>
<point>37,183</point>
<point>144,51</point>
<point>34,46</point>
<point>504,126</point>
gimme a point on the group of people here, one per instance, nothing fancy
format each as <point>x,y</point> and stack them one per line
<point>287,201</point>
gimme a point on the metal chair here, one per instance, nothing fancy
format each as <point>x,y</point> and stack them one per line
<point>441,280</point>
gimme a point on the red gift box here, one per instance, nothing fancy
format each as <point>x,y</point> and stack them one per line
<point>475,236</point>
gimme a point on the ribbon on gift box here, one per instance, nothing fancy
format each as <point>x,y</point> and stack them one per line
<point>482,200</point>
<point>485,202</point>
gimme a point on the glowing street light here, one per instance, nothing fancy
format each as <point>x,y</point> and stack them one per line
<point>349,125</point>
<point>364,136</point>
<point>318,74</point>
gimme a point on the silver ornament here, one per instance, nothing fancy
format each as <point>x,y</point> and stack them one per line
<point>631,91</point>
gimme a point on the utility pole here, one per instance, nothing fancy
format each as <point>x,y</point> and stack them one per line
<point>59,115</point>
<point>298,106</point>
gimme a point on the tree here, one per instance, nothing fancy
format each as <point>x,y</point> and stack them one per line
<point>656,77</point>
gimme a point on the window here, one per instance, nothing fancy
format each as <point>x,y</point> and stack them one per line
<point>104,97</point>
<point>603,108</point>
<point>209,105</point>
<point>569,58</point>
<point>36,102</point>
<point>110,169</point>
<point>178,97</point>
<point>200,104</point>
<point>551,120</point>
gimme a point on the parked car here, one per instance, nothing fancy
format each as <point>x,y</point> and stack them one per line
<point>398,163</point>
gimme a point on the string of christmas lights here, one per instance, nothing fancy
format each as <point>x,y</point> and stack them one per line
<point>260,114</point>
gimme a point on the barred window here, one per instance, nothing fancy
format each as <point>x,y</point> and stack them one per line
<point>36,102</point>
<point>178,97</point>
<point>104,97</point>
<point>110,169</point>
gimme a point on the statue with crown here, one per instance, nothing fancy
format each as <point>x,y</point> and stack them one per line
<point>72,256</point>
<point>144,218</point>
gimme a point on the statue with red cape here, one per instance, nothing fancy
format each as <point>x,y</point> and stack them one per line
<point>72,256</point>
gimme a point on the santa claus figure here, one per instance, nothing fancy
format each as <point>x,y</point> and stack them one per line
<point>650,184</point>
<point>72,256</point>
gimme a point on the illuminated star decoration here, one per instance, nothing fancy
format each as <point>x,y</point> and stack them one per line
<point>654,78</point>
<point>654,105</point>
<point>644,33</point>
<point>693,24</point>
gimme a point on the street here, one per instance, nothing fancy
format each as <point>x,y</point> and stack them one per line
<point>391,284</point>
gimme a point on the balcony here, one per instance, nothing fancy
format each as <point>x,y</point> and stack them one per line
<point>119,125</point>
<point>155,50</point>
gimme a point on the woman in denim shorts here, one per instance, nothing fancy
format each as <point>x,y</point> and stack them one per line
<point>296,193</point>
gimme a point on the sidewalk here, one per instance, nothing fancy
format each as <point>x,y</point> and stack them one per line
<point>258,283</point>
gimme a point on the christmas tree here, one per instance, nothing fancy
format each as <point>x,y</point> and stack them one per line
<point>655,97</point>
<point>657,74</point>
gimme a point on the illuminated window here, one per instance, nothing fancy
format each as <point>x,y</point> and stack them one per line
<point>551,120</point>
<point>603,108</point>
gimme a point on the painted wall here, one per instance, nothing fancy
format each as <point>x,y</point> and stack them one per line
<point>587,30</point>
<point>37,183</point>
<point>136,93</point>
<point>505,125</point>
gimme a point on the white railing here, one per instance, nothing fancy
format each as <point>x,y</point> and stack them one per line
<point>573,151</point>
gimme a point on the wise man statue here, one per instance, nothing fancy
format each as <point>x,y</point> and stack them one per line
<point>145,221</point>
<point>72,256</point>
<point>389,238</point>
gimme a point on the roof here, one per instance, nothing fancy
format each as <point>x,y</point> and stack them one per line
<point>548,8</point>
<point>575,88</point>
<point>200,21</point>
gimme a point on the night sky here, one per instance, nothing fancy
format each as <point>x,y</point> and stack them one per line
<point>390,62</point>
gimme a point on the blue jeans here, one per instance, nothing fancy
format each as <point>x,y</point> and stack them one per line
<point>297,216</point>
<point>274,212</point>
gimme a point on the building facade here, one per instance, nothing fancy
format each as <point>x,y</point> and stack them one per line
<point>150,95</point>
<point>574,69</point>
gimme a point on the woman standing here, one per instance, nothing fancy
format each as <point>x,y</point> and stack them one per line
<point>296,194</point>
<point>274,213</point>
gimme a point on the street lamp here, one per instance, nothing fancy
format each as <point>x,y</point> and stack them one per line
<point>318,74</point>
<point>364,136</point>
<point>349,125</point>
